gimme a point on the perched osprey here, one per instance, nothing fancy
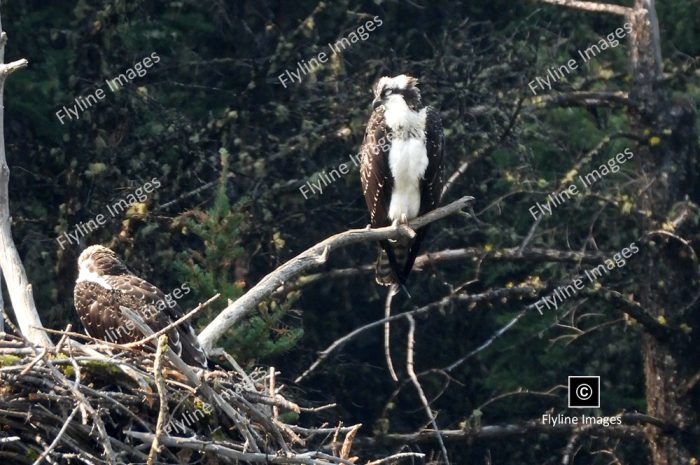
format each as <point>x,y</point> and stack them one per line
<point>401,169</point>
<point>105,284</point>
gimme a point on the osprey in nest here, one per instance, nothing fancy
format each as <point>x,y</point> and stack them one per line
<point>401,169</point>
<point>105,284</point>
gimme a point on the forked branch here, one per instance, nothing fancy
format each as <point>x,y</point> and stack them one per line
<point>312,258</point>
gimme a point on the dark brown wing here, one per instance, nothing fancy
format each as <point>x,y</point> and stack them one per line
<point>375,173</point>
<point>100,312</point>
<point>98,309</point>
<point>183,340</point>
<point>432,182</point>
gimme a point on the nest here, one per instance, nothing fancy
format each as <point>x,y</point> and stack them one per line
<point>94,404</point>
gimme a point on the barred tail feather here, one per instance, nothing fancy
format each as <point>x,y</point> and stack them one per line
<point>383,273</point>
<point>386,272</point>
<point>192,352</point>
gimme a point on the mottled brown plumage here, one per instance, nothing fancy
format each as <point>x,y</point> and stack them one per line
<point>105,284</point>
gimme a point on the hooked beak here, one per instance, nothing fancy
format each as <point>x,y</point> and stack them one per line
<point>377,102</point>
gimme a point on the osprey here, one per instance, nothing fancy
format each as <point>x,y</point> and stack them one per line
<point>401,169</point>
<point>105,284</point>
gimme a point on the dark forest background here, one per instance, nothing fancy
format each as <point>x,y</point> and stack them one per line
<point>213,114</point>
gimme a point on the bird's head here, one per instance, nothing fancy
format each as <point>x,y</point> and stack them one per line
<point>99,260</point>
<point>391,89</point>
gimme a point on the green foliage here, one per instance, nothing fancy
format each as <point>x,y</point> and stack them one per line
<point>220,230</point>
<point>218,269</point>
<point>264,335</point>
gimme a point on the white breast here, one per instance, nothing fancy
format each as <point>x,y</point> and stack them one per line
<point>408,160</point>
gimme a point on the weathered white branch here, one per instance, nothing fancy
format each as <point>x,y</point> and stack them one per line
<point>592,6</point>
<point>18,286</point>
<point>312,258</point>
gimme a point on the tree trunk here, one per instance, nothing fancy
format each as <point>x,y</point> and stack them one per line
<point>667,161</point>
<point>12,269</point>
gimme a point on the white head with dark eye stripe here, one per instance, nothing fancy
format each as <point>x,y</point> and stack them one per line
<point>389,90</point>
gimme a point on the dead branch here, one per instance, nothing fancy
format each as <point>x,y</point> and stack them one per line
<point>310,259</point>
<point>495,294</point>
<point>391,292</point>
<point>581,99</point>
<point>510,254</point>
<point>501,331</point>
<point>636,311</point>
<point>66,418</point>
<point>632,425</point>
<point>482,151</point>
<point>593,7</point>
<point>12,269</point>
<point>162,398</point>
<point>396,457</point>
<point>419,388</point>
<point>226,450</point>
<point>174,324</point>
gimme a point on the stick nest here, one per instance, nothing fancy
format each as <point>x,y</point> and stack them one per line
<point>91,404</point>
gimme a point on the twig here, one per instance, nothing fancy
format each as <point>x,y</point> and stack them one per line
<point>63,339</point>
<point>223,450</point>
<point>396,457</point>
<point>416,383</point>
<point>334,441</point>
<point>279,401</point>
<point>30,365</point>
<point>172,325</point>
<point>275,412</point>
<point>635,310</point>
<point>58,437</point>
<point>242,424</point>
<point>530,235</point>
<point>391,292</point>
<point>581,98</point>
<point>347,443</point>
<point>191,193</point>
<point>468,298</point>
<point>85,405</point>
<point>241,372</point>
<point>568,454</point>
<point>162,398</point>
<point>489,341</point>
<point>310,259</point>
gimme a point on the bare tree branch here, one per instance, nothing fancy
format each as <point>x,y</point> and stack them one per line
<point>312,258</point>
<point>581,99</point>
<point>636,311</point>
<point>162,398</point>
<point>491,295</point>
<point>419,388</point>
<point>631,426</point>
<point>228,452</point>
<point>12,269</point>
<point>592,6</point>
<point>531,255</point>
<point>392,291</point>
